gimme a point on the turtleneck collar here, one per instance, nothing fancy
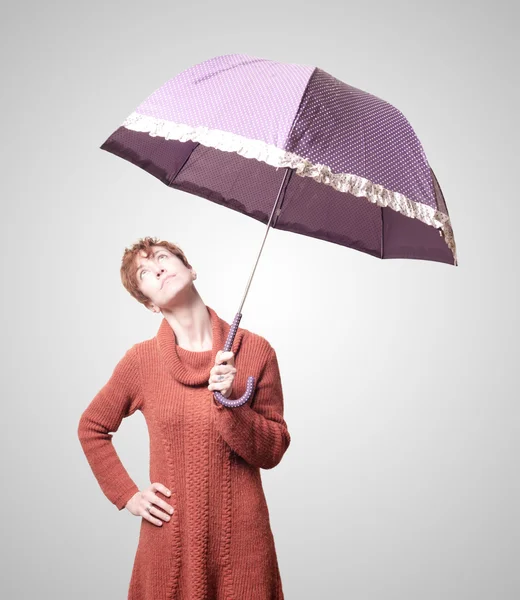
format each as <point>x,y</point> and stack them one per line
<point>186,366</point>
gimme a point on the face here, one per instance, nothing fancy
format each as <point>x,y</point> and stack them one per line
<point>163,278</point>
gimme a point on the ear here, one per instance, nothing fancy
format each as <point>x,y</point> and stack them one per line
<point>153,308</point>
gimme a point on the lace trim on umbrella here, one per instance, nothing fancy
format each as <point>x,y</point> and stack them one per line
<point>277,157</point>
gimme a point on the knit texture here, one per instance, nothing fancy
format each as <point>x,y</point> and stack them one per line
<point>218,544</point>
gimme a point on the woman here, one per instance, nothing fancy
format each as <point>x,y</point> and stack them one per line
<point>205,529</point>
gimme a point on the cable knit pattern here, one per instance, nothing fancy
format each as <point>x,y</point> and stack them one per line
<point>218,544</point>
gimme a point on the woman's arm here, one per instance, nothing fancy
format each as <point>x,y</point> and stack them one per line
<point>256,430</point>
<point>120,397</point>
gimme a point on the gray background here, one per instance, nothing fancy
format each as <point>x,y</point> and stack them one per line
<point>400,377</point>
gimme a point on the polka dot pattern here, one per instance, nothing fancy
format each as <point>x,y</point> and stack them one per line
<point>250,385</point>
<point>249,96</point>
<point>362,177</point>
<point>352,131</point>
<point>333,123</point>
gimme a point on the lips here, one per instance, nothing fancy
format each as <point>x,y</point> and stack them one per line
<point>166,279</point>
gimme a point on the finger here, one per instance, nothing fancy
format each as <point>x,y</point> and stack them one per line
<point>222,370</point>
<point>152,498</point>
<point>149,517</point>
<point>224,356</point>
<point>219,385</point>
<point>225,377</point>
<point>216,385</point>
<point>159,487</point>
<point>152,504</point>
<point>161,504</point>
<point>224,362</point>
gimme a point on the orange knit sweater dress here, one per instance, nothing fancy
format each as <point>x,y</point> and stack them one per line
<point>218,544</point>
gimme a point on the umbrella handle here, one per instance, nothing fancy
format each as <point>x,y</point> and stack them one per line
<point>250,380</point>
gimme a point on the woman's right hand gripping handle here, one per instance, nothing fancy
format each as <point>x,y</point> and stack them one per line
<point>146,499</point>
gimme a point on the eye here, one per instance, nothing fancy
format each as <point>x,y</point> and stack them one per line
<point>141,273</point>
<point>161,255</point>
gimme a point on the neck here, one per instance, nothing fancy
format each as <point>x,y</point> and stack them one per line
<point>191,324</point>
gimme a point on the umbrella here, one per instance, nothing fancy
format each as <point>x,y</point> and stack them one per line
<point>344,165</point>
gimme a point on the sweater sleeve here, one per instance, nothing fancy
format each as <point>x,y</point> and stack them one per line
<point>120,397</point>
<point>256,430</point>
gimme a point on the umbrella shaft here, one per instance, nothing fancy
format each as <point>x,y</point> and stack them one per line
<point>287,171</point>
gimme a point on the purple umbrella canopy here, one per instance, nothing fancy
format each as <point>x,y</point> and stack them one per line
<point>363,179</point>
<point>343,165</point>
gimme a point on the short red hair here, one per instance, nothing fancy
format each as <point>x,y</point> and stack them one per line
<point>129,267</point>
